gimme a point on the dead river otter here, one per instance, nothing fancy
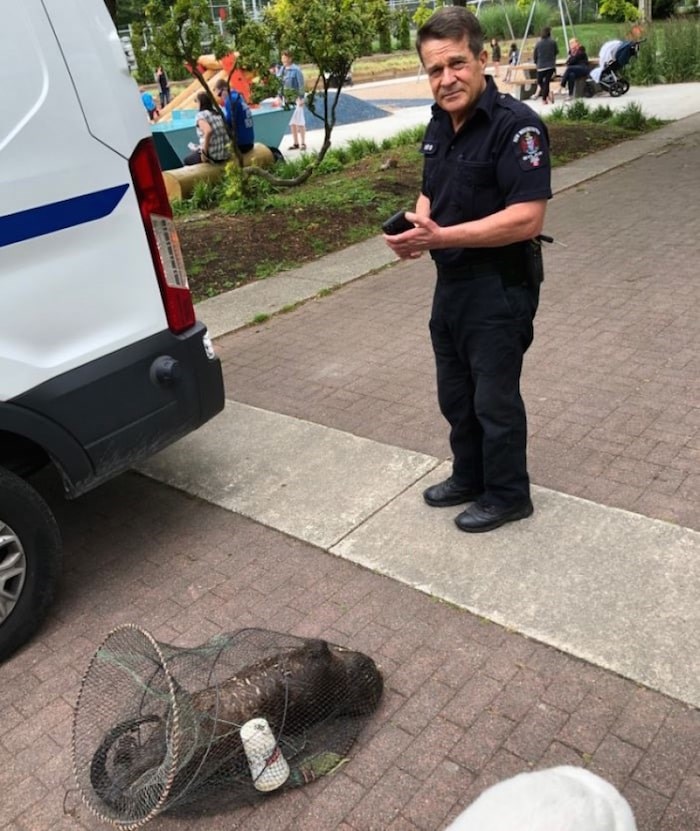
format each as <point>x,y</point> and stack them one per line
<point>294,690</point>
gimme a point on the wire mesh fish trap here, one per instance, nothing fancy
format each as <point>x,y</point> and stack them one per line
<point>158,727</point>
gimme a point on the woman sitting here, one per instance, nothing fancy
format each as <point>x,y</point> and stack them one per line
<point>577,66</point>
<point>214,143</point>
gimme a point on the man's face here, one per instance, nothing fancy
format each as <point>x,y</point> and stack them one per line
<point>456,76</point>
<point>286,60</point>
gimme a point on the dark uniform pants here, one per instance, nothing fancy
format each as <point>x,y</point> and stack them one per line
<point>480,330</point>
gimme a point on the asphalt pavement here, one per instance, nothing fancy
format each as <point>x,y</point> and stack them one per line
<point>567,638</point>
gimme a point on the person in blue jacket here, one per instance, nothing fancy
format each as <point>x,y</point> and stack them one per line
<point>237,114</point>
<point>149,104</point>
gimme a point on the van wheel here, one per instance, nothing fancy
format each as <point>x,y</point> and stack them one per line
<point>30,561</point>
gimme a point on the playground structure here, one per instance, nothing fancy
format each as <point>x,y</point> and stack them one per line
<point>175,129</point>
<point>212,69</point>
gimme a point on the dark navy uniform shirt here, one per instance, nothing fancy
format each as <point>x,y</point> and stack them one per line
<point>498,158</point>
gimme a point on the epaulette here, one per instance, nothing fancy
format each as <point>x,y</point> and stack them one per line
<point>507,102</point>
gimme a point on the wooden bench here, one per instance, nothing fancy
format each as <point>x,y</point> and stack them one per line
<point>180,181</point>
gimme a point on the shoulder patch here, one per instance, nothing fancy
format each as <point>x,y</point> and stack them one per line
<point>527,144</point>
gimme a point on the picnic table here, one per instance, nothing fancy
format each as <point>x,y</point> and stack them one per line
<point>524,81</point>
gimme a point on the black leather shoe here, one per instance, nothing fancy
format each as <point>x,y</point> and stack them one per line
<point>480,517</point>
<point>448,493</point>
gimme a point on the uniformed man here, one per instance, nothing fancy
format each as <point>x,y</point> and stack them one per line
<point>486,182</point>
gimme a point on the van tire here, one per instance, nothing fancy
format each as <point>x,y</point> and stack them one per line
<point>30,561</point>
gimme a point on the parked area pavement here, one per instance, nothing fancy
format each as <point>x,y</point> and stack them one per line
<point>570,637</point>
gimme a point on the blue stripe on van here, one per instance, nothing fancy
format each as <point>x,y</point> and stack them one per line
<point>45,219</point>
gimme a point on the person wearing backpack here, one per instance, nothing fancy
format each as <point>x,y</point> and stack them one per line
<point>237,115</point>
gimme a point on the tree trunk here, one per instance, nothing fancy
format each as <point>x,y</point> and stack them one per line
<point>645,11</point>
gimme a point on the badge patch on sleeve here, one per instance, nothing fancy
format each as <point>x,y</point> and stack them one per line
<point>527,143</point>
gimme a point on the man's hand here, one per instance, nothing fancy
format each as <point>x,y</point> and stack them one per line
<point>411,244</point>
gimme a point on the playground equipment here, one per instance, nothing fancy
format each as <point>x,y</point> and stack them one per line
<point>212,69</point>
<point>564,14</point>
<point>175,129</point>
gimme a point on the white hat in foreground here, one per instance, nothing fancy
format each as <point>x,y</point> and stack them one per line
<point>558,799</point>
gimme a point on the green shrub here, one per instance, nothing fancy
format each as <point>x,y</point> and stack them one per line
<point>618,11</point>
<point>601,114</point>
<point>359,148</point>
<point>402,24</point>
<point>631,118</point>
<point>330,164</point>
<point>144,71</point>
<point>495,20</point>
<point>681,50</point>
<point>243,193</point>
<point>421,14</point>
<point>577,111</point>
<point>205,195</point>
<point>385,38</point>
<point>670,53</point>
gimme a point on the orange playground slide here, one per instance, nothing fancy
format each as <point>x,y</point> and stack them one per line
<point>212,69</point>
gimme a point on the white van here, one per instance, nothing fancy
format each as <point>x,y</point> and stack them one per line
<point>102,362</point>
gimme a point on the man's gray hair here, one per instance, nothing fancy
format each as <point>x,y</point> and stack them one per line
<point>452,23</point>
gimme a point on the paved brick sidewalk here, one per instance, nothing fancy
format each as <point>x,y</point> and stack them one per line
<point>467,703</point>
<point>611,382</point>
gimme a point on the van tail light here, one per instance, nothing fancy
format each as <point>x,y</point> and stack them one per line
<point>162,237</point>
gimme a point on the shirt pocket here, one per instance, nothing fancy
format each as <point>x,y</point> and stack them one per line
<point>475,189</point>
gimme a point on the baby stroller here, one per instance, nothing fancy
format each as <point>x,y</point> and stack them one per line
<point>606,77</point>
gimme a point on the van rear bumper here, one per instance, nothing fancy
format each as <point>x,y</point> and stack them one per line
<point>125,406</point>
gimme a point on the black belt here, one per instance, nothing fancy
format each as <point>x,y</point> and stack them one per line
<point>472,271</point>
<point>468,271</point>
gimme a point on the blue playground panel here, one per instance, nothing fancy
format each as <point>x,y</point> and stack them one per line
<point>172,137</point>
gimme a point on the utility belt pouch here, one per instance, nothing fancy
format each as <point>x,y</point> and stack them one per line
<point>534,266</point>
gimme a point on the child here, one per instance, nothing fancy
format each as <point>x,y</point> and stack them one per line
<point>495,56</point>
<point>149,104</point>
<point>513,58</point>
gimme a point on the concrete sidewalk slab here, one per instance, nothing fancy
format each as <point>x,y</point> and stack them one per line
<point>313,483</point>
<point>612,587</point>
<point>609,586</point>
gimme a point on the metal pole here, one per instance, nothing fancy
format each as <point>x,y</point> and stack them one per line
<point>510,27</point>
<point>563,24</point>
<point>527,29</point>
